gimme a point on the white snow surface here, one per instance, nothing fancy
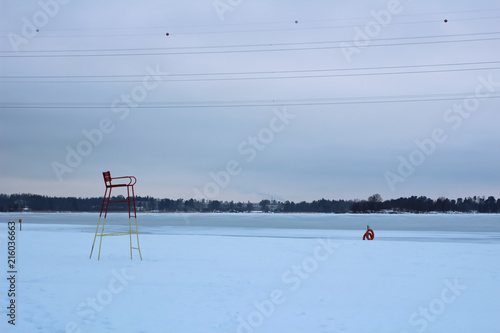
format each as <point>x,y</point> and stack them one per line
<point>252,273</point>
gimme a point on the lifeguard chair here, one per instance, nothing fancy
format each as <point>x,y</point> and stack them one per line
<point>106,201</point>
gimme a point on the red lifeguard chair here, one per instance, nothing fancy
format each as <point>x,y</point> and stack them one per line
<point>131,213</point>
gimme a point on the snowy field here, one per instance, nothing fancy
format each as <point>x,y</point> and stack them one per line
<point>252,273</point>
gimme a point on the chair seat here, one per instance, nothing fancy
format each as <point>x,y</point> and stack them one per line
<point>118,185</point>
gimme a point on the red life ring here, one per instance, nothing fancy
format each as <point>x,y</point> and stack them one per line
<point>369,235</point>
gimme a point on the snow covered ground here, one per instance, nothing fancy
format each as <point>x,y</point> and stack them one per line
<point>251,273</point>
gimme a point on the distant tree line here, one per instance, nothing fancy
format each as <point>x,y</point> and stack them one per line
<point>374,204</point>
<point>423,204</point>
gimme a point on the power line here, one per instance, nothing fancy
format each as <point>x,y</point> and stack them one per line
<point>257,103</point>
<point>302,28</point>
<point>16,53</point>
<point>266,23</point>
<point>259,78</point>
<point>243,24</point>
<point>240,51</point>
<point>251,73</point>
<point>421,14</point>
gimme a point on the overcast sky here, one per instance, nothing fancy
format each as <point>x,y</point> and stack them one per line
<point>250,100</point>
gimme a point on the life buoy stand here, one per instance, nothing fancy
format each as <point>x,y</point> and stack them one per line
<point>369,235</point>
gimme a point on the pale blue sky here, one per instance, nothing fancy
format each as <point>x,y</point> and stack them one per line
<point>321,137</point>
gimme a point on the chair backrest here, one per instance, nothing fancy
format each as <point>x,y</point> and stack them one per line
<point>107,178</point>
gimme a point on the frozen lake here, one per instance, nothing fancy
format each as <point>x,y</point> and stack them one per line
<point>424,227</point>
<point>247,273</point>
